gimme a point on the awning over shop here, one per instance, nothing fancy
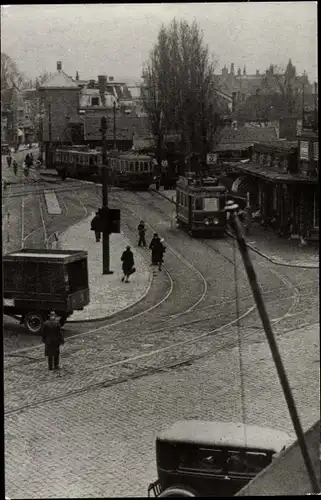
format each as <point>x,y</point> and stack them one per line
<point>233,147</point>
<point>272,174</point>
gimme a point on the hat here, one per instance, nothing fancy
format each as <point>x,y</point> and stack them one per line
<point>155,234</point>
<point>128,247</point>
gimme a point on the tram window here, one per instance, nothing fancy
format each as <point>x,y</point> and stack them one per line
<point>211,204</point>
<point>198,203</point>
<point>91,161</point>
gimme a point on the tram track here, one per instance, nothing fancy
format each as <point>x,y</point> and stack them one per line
<point>129,363</point>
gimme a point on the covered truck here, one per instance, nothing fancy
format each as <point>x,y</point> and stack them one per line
<point>36,282</point>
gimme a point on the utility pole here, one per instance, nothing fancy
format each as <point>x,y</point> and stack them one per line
<point>114,116</point>
<point>104,212</point>
<point>232,208</point>
<point>50,137</point>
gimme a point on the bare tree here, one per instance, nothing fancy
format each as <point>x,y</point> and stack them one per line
<point>11,77</point>
<point>179,94</point>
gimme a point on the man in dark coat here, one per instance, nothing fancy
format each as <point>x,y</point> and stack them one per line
<point>53,338</point>
<point>127,259</point>
<point>95,226</point>
<point>156,247</point>
<point>141,232</point>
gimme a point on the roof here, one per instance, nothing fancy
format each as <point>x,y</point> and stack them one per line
<point>287,474</point>
<point>279,145</point>
<point>273,174</point>
<point>86,95</point>
<point>36,255</point>
<point>246,135</point>
<point>59,80</point>
<point>226,434</point>
<point>233,147</point>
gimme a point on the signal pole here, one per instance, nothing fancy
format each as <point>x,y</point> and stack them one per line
<point>114,116</point>
<point>105,242</point>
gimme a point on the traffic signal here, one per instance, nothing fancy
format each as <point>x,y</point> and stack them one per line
<point>109,220</point>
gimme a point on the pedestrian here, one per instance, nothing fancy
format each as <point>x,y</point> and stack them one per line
<point>26,170</point>
<point>95,226</point>
<point>156,248</point>
<point>53,338</point>
<point>9,160</point>
<point>141,231</point>
<point>127,259</point>
<point>31,159</point>
<point>161,253</point>
<point>15,166</point>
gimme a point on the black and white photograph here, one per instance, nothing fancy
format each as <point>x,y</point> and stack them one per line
<point>160,249</point>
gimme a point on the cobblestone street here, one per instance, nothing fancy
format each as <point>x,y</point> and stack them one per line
<point>101,443</point>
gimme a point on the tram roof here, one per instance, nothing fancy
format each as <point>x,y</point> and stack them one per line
<point>133,157</point>
<point>78,151</point>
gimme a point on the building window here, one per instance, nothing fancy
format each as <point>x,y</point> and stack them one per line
<point>95,101</point>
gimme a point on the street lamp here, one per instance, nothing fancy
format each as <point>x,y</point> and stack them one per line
<point>104,213</point>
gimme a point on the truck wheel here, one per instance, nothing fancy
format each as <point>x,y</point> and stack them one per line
<point>34,322</point>
<point>178,491</point>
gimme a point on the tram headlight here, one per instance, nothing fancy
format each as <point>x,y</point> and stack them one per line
<point>206,221</point>
<point>215,220</point>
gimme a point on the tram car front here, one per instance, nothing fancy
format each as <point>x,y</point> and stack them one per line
<point>200,206</point>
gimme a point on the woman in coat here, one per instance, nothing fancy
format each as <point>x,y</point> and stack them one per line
<point>155,247</point>
<point>127,259</point>
<point>53,338</point>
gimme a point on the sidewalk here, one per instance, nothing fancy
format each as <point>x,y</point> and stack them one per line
<point>108,294</point>
<point>278,250</point>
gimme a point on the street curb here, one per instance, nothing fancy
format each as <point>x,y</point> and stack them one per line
<point>278,262</point>
<point>150,281</point>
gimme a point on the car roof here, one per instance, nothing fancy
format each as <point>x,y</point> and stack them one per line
<point>226,434</point>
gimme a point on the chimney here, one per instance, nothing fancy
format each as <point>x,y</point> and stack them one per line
<point>77,76</point>
<point>257,73</point>
<point>102,85</point>
<point>232,69</point>
<point>244,70</point>
<point>59,66</point>
<point>239,72</point>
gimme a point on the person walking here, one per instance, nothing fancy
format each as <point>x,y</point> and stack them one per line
<point>127,259</point>
<point>141,231</point>
<point>15,166</point>
<point>95,226</point>
<point>155,247</point>
<point>161,253</point>
<point>9,160</point>
<point>53,338</point>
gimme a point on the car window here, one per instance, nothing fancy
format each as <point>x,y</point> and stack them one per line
<point>204,459</point>
<point>247,462</point>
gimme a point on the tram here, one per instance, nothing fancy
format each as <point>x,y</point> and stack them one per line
<point>127,169</point>
<point>200,203</point>
<point>78,162</point>
<point>131,170</point>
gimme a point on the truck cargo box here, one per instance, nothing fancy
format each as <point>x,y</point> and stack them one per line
<point>44,274</point>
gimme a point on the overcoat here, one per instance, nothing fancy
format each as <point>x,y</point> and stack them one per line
<point>52,337</point>
<point>127,259</point>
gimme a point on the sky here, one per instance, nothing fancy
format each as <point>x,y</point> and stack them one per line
<point>115,39</point>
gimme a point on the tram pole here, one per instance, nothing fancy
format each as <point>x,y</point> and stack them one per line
<point>114,117</point>
<point>105,242</point>
<point>231,208</point>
